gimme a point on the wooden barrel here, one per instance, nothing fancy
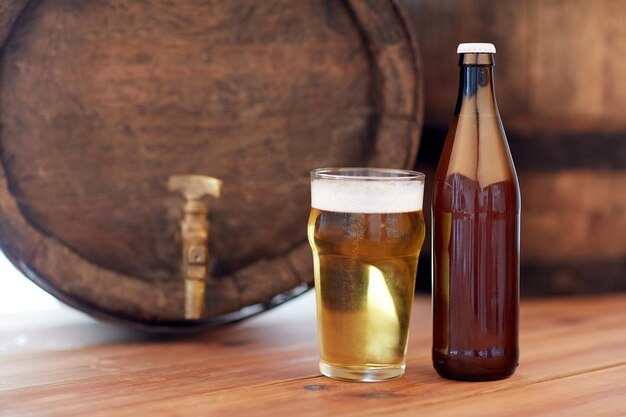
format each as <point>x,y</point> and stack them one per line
<point>562,97</point>
<point>105,104</point>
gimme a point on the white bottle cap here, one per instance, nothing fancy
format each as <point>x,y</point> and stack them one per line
<point>476,48</point>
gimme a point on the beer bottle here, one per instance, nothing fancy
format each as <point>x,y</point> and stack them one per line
<point>476,223</point>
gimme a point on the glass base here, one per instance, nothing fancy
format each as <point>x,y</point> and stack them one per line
<point>355,374</point>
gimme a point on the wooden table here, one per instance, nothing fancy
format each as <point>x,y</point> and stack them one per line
<point>573,362</point>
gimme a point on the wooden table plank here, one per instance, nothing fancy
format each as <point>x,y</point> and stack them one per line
<point>573,358</point>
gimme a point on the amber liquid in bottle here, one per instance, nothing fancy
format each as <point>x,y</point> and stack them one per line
<point>476,219</point>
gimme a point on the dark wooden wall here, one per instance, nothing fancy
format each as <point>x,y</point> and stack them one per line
<point>562,96</point>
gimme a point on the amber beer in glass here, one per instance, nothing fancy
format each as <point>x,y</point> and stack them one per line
<point>476,221</point>
<point>366,231</point>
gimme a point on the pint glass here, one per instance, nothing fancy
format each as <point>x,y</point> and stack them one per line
<point>366,230</point>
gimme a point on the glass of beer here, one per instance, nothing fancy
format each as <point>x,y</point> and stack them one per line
<point>366,231</point>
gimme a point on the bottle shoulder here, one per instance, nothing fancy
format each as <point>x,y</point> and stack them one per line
<point>476,147</point>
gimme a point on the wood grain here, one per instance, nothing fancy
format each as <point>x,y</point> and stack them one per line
<point>559,62</point>
<point>585,204</point>
<point>102,101</point>
<point>563,106</point>
<point>573,362</point>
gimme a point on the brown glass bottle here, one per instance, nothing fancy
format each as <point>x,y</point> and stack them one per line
<point>476,219</point>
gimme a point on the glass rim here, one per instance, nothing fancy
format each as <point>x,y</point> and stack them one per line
<point>356,173</point>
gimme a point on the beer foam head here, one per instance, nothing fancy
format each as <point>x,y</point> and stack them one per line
<point>356,194</point>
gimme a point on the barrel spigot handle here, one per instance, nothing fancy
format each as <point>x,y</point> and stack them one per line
<point>194,228</point>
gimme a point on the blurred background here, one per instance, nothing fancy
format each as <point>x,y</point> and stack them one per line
<point>307,81</point>
<point>18,294</point>
<point>561,92</point>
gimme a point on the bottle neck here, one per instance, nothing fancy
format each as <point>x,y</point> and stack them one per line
<point>476,86</point>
